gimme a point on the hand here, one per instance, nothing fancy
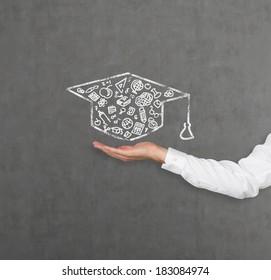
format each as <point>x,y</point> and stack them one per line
<point>140,151</point>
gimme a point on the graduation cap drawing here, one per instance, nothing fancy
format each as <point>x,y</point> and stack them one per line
<point>129,107</point>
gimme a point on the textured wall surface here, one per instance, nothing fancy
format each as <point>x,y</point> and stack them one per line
<point>60,198</point>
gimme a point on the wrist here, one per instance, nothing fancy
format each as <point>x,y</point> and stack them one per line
<point>160,154</point>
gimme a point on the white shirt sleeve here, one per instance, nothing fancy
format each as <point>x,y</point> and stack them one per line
<point>239,180</point>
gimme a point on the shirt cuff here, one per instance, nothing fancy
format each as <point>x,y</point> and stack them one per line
<point>175,161</point>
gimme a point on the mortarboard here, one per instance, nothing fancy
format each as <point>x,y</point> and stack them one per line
<point>128,107</point>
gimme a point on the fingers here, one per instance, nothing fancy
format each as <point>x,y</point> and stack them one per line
<point>119,153</point>
<point>117,156</point>
<point>140,151</point>
<point>98,145</point>
<point>125,148</point>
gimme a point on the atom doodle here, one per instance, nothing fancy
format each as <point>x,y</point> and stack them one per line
<point>129,107</point>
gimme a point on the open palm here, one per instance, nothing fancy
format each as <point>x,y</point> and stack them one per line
<point>140,151</point>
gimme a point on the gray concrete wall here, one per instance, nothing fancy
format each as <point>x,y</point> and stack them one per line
<point>60,198</point>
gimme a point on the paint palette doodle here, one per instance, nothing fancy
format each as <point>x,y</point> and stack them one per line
<point>129,107</point>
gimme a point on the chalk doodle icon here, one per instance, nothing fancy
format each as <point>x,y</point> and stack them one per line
<point>129,107</point>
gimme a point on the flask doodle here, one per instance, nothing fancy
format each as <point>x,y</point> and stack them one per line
<point>136,102</point>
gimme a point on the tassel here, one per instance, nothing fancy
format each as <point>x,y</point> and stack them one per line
<point>186,133</point>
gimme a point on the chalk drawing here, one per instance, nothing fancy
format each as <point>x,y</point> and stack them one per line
<point>187,125</point>
<point>111,109</point>
<point>117,130</point>
<point>144,99</point>
<point>127,123</point>
<point>142,114</point>
<point>122,111</point>
<point>121,85</point>
<point>129,107</point>
<point>124,101</point>
<point>106,92</point>
<point>138,128</point>
<point>152,124</point>
<point>91,89</point>
<point>94,96</point>
<point>156,93</point>
<point>131,111</point>
<point>137,85</point>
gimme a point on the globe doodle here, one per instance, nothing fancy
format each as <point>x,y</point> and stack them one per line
<point>137,85</point>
